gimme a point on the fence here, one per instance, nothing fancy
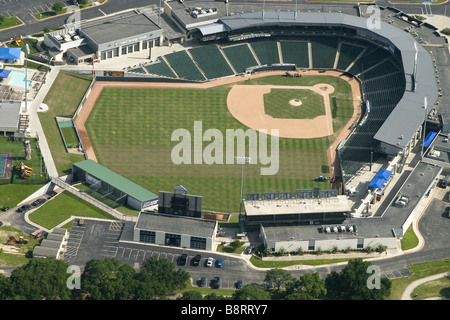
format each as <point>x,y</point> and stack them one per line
<point>66,186</point>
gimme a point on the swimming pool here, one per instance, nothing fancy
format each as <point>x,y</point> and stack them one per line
<point>17,78</point>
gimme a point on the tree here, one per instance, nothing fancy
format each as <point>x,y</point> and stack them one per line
<point>158,278</point>
<point>2,18</point>
<point>251,292</point>
<point>83,1</point>
<point>352,283</point>
<point>308,287</point>
<point>277,277</point>
<point>41,279</point>
<point>5,288</point>
<point>58,6</point>
<point>107,279</point>
<point>236,244</point>
<point>191,295</point>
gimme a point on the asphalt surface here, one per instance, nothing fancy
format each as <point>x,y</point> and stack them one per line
<point>24,9</point>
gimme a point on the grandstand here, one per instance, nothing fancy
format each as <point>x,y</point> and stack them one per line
<point>210,59</point>
<point>240,56</point>
<point>184,66</point>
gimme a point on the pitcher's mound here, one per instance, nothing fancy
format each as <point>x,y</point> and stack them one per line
<point>295,102</point>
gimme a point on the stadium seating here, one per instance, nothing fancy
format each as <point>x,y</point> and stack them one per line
<point>160,68</point>
<point>183,65</point>
<point>211,61</point>
<point>295,52</point>
<point>323,50</point>
<point>348,54</point>
<point>266,50</point>
<point>240,57</point>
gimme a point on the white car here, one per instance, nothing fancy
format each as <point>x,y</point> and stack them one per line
<point>209,262</point>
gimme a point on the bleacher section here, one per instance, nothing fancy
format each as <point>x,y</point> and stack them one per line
<point>347,55</point>
<point>240,57</point>
<point>160,68</point>
<point>266,50</point>
<point>183,65</point>
<point>211,61</point>
<point>324,51</point>
<point>295,52</point>
<point>371,57</point>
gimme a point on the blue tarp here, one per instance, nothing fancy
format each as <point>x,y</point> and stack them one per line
<point>430,137</point>
<point>383,174</point>
<point>4,73</point>
<point>377,183</point>
<point>10,53</point>
<point>380,179</point>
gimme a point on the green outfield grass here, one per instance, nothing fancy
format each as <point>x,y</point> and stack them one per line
<point>131,130</point>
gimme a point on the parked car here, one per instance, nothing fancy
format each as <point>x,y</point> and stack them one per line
<point>202,282</point>
<point>182,259</point>
<point>215,283</point>
<point>38,202</point>
<point>248,250</point>
<point>209,262</point>
<point>239,284</point>
<point>1,223</point>
<point>196,260</point>
<point>23,208</point>
<point>219,263</point>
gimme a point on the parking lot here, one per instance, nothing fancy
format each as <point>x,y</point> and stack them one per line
<point>101,239</point>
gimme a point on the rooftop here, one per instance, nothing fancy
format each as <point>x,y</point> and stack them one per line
<point>121,26</point>
<point>9,113</point>
<point>177,225</point>
<point>296,206</point>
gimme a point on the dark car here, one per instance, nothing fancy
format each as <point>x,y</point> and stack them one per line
<point>215,283</point>
<point>202,282</point>
<point>248,250</point>
<point>196,260</point>
<point>23,208</point>
<point>182,259</point>
<point>219,263</point>
<point>38,202</point>
<point>1,223</point>
<point>239,284</point>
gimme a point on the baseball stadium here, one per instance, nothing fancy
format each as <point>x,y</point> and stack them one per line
<point>323,80</point>
<point>339,94</point>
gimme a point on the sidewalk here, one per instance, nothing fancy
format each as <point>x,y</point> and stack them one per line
<point>35,124</point>
<point>413,285</point>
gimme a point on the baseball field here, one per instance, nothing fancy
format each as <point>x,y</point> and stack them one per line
<point>130,129</point>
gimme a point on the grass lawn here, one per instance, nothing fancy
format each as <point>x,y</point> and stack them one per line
<point>409,239</point>
<point>70,136</point>
<point>10,22</point>
<point>276,104</point>
<point>418,271</point>
<point>436,288</point>
<point>48,14</point>
<point>63,99</point>
<point>131,131</point>
<point>12,194</point>
<point>51,213</point>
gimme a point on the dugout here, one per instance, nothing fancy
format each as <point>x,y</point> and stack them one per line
<point>112,185</point>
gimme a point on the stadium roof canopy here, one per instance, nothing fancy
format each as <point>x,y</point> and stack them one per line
<point>409,114</point>
<point>116,180</point>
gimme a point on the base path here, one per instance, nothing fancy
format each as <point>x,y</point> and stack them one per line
<point>246,104</point>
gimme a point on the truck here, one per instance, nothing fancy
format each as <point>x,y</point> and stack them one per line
<point>445,182</point>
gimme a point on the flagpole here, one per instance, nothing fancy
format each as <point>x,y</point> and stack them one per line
<point>424,125</point>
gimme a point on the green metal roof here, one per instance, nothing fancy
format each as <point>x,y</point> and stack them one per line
<point>116,180</point>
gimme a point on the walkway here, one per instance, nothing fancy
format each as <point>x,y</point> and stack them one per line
<point>413,285</point>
